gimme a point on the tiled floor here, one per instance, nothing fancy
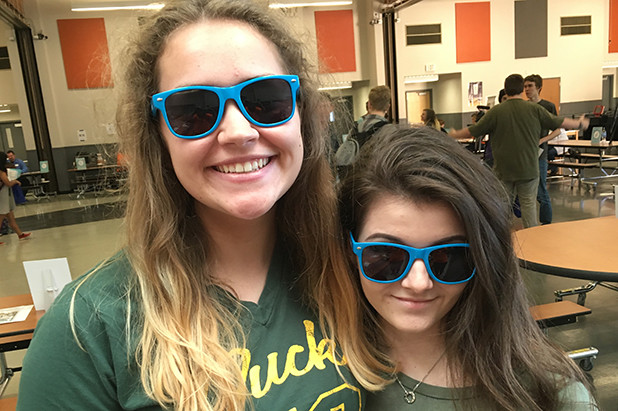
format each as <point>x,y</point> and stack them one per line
<point>87,230</point>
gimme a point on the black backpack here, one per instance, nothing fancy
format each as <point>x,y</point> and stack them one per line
<point>348,151</point>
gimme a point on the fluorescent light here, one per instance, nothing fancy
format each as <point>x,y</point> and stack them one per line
<point>340,85</point>
<point>118,7</point>
<point>309,4</point>
<point>426,78</point>
<point>5,110</point>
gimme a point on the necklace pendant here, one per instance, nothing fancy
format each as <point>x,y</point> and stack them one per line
<point>410,397</point>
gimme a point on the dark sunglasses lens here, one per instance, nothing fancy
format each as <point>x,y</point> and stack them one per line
<point>268,101</point>
<point>384,262</point>
<point>192,112</point>
<point>451,264</point>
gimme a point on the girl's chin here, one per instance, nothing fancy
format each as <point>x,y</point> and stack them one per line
<point>252,210</point>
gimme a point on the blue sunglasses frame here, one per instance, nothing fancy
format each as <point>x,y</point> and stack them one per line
<point>414,253</point>
<point>224,94</point>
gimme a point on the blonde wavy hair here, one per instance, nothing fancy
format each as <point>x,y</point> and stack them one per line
<point>187,326</point>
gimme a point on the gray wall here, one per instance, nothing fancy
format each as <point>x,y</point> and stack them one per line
<point>64,158</point>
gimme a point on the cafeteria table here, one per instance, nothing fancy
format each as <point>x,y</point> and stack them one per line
<point>601,156</point>
<point>589,253</point>
<point>15,336</point>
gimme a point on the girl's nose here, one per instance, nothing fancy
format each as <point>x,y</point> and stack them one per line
<point>418,277</point>
<point>234,128</point>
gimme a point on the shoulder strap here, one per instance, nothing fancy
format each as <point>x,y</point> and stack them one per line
<point>376,126</point>
<point>366,135</point>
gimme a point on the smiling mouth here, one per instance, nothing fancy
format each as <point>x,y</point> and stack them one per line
<point>241,168</point>
<point>414,300</point>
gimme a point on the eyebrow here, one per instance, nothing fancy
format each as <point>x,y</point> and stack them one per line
<point>383,237</point>
<point>233,85</point>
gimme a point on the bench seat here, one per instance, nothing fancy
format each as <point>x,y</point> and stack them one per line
<point>569,164</point>
<point>606,157</point>
<point>557,313</point>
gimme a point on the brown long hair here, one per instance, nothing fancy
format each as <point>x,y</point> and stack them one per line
<point>3,159</point>
<point>169,251</point>
<point>490,335</point>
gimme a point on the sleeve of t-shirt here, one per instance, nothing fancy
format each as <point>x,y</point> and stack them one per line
<point>548,120</point>
<point>484,126</point>
<point>575,397</point>
<point>57,373</point>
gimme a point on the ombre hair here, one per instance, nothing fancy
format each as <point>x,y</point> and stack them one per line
<point>431,120</point>
<point>492,341</point>
<point>186,329</point>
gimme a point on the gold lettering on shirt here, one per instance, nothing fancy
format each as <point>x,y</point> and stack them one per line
<point>318,353</point>
<point>322,399</point>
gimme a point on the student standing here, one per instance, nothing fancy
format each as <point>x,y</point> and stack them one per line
<point>23,168</point>
<point>7,204</point>
<point>532,87</point>
<point>515,126</point>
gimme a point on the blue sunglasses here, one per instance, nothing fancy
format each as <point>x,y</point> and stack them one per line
<point>390,262</point>
<point>196,111</point>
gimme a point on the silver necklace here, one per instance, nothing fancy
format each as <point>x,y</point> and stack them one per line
<point>410,396</point>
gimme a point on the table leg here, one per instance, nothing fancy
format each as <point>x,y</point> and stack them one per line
<point>5,373</point>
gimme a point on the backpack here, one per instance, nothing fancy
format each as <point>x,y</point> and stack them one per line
<point>348,151</point>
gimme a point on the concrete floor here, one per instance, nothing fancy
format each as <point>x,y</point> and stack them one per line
<point>87,230</point>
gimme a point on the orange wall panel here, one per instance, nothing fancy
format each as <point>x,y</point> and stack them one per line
<point>613,26</point>
<point>472,31</point>
<point>335,37</point>
<point>85,53</point>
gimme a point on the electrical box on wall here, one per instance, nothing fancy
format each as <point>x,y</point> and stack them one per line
<point>430,68</point>
<point>81,135</point>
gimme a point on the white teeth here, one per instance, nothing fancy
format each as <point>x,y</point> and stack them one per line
<point>246,167</point>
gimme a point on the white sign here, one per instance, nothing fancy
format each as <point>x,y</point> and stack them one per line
<point>46,279</point>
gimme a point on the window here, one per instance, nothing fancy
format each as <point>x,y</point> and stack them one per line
<point>5,63</point>
<point>423,34</point>
<point>575,25</point>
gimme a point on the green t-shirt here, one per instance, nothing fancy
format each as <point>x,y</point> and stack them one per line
<point>515,127</point>
<point>287,362</point>
<point>575,397</point>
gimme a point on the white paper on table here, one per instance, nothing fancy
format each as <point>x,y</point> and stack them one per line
<point>14,314</point>
<point>46,279</point>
